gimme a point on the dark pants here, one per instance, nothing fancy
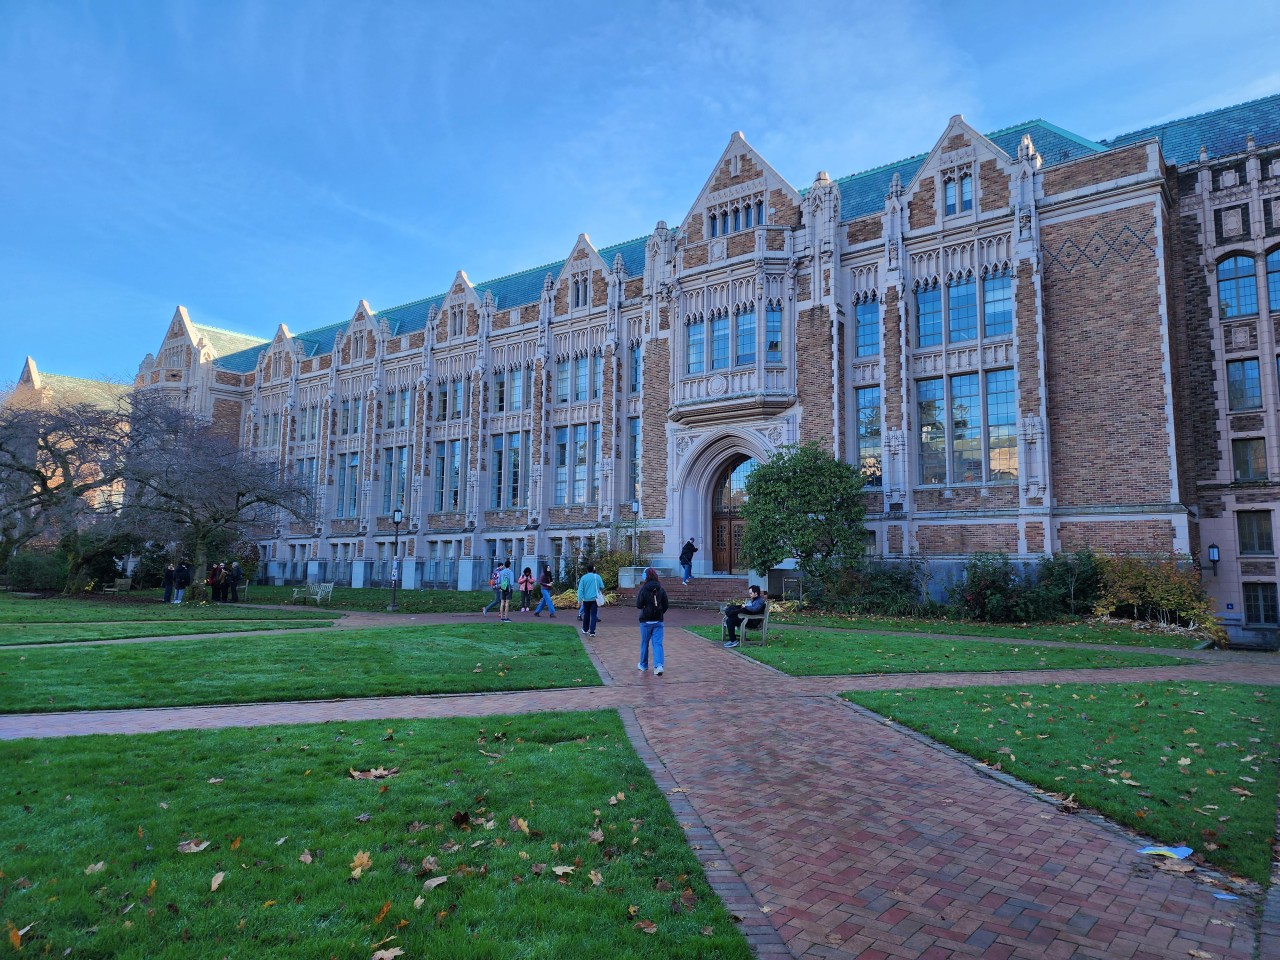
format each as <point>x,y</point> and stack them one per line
<point>733,617</point>
<point>235,592</point>
<point>168,592</point>
<point>590,615</point>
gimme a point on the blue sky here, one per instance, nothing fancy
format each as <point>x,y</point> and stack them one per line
<point>265,163</point>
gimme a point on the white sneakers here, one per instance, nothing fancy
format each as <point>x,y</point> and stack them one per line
<point>657,671</point>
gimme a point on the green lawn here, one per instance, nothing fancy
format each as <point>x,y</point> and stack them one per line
<point>1186,763</point>
<point>21,633</point>
<point>1074,632</point>
<point>141,605</point>
<point>820,653</point>
<point>92,867</point>
<point>376,600</point>
<point>461,658</point>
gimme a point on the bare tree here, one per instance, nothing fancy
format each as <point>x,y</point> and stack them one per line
<point>187,481</point>
<point>61,465</point>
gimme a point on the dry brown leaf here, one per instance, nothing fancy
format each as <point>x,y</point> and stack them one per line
<point>215,779</point>
<point>433,883</point>
<point>522,825</point>
<point>646,926</point>
<point>378,773</point>
<point>561,871</point>
<point>192,846</point>
<point>151,888</point>
<point>418,902</point>
<point>596,879</point>
<point>235,844</point>
<point>360,864</point>
<point>382,914</point>
<point>95,867</point>
<point>389,954</point>
<point>305,856</point>
<point>216,882</point>
<point>596,836</point>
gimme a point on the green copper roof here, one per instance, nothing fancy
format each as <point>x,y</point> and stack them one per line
<point>226,341</point>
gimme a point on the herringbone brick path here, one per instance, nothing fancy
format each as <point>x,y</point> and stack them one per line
<point>832,833</point>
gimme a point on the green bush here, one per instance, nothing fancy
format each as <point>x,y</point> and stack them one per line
<point>992,589</point>
<point>1069,583</point>
<point>1165,590</point>
<point>33,570</point>
<point>890,590</point>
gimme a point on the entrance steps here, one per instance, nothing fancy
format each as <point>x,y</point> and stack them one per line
<point>706,592</point>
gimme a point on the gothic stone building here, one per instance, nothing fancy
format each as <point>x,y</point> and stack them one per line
<point>1029,341</point>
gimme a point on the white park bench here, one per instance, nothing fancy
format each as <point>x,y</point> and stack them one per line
<point>319,592</point>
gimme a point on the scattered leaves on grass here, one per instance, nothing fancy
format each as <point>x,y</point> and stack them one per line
<point>360,864</point>
<point>646,926</point>
<point>562,871</point>
<point>192,846</point>
<point>433,883</point>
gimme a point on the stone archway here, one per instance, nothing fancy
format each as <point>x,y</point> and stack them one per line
<point>701,478</point>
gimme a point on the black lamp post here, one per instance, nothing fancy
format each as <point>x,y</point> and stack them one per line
<point>397,518</point>
<point>1213,557</point>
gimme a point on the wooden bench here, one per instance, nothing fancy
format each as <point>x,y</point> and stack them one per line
<point>757,624</point>
<point>319,592</point>
<point>121,585</point>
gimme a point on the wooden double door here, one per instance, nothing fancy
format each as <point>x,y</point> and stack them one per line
<point>727,525</point>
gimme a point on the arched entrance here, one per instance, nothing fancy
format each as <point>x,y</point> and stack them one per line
<point>727,526</point>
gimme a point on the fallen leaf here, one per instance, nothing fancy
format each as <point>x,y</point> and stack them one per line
<point>192,846</point>
<point>561,871</point>
<point>217,880</point>
<point>596,879</point>
<point>382,914</point>
<point>418,902</point>
<point>305,856</point>
<point>281,841</point>
<point>215,779</point>
<point>522,825</point>
<point>646,926</point>
<point>1241,792</point>
<point>269,903</point>
<point>433,883</point>
<point>235,844</point>
<point>361,863</point>
<point>95,867</point>
<point>151,888</point>
<point>596,836</point>
<point>389,954</point>
<point>378,773</point>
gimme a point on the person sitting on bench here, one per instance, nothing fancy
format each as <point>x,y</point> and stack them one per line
<point>734,614</point>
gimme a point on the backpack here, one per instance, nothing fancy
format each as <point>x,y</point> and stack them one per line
<point>504,581</point>
<point>651,610</point>
<point>493,580</point>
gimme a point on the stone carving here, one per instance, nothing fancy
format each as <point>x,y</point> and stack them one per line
<point>717,385</point>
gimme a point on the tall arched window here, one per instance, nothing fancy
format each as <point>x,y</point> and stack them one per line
<point>1237,287</point>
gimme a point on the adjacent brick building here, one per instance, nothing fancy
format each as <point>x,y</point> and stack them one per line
<point>1029,340</point>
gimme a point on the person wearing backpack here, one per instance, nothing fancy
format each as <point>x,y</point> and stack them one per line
<point>590,593</point>
<point>493,585</point>
<point>651,601</point>
<point>545,582</point>
<point>506,580</point>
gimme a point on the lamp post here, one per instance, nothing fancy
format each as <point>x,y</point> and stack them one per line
<point>397,518</point>
<point>1213,557</point>
<point>635,532</point>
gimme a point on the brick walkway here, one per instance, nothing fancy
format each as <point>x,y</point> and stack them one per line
<point>831,833</point>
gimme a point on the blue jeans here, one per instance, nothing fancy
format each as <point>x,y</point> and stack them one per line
<point>546,601</point>
<point>590,614</point>
<point>686,570</point>
<point>651,633</point>
<point>496,601</point>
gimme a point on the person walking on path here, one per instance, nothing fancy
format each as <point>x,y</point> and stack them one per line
<point>590,593</point>
<point>493,585</point>
<point>652,603</point>
<point>525,583</point>
<point>506,580</point>
<point>181,580</point>
<point>235,577</point>
<point>733,613</point>
<point>686,560</point>
<point>167,582</point>
<point>544,584</point>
